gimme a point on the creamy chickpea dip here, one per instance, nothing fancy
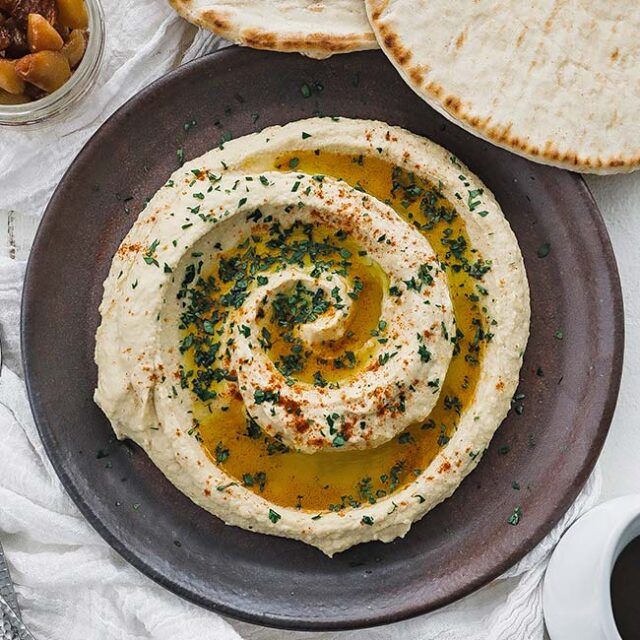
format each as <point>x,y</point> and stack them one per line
<point>315,330</point>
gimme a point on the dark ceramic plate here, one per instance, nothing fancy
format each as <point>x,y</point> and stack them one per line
<point>576,343</point>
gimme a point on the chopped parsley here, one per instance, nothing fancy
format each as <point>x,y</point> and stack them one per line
<point>544,250</point>
<point>274,516</point>
<point>515,517</point>
<point>222,454</point>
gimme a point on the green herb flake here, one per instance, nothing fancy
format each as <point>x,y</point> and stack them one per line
<point>305,90</point>
<point>222,487</point>
<point>222,454</point>
<point>274,516</point>
<point>425,354</point>
<point>544,250</point>
<point>515,517</point>
<point>339,440</point>
<point>260,396</point>
<point>149,255</point>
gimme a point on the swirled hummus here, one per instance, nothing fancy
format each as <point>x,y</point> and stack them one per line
<point>314,331</point>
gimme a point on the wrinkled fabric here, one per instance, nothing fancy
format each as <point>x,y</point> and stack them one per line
<point>71,585</point>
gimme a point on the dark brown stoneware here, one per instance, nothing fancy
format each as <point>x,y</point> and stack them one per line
<point>461,545</point>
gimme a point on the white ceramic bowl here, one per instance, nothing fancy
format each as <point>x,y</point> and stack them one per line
<point>577,585</point>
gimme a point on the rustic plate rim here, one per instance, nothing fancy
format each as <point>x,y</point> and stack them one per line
<point>268,619</point>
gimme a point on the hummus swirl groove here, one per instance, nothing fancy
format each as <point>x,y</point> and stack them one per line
<point>367,403</point>
<point>314,331</point>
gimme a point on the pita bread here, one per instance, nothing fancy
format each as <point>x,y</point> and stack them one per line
<point>316,28</point>
<point>557,81</point>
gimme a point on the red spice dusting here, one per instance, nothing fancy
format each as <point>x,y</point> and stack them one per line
<point>126,249</point>
<point>291,406</point>
<point>347,429</point>
<point>301,425</point>
<point>235,392</point>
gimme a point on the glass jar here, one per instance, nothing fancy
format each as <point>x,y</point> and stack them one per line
<point>74,89</point>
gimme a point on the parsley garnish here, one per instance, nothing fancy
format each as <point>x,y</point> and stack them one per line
<point>222,454</point>
<point>544,250</point>
<point>274,516</point>
<point>515,517</point>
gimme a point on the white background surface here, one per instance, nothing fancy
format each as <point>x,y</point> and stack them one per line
<point>619,200</point>
<point>145,41</point>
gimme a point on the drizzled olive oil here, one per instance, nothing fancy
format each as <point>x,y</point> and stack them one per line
<point>331,479</point>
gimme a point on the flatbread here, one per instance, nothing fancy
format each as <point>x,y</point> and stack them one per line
<point>557,81</point>
<point>316,28</point>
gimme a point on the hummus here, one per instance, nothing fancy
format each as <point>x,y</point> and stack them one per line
<point>314,331</point>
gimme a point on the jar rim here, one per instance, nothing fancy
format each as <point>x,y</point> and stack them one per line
<point>75,88</point>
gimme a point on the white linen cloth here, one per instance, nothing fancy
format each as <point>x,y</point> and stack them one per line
<point>70,584</point>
